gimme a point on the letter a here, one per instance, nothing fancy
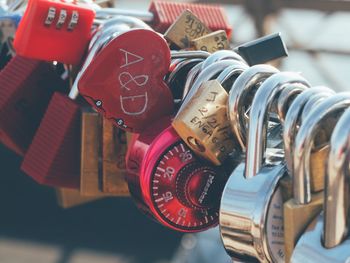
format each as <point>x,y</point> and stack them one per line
<point>130,58</point>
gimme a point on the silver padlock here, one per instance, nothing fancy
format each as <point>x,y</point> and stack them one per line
<point>327,238</point>
<point>330,106</point>
<point>251,212</point>
<point>296,215</point>
<point>292,120</point>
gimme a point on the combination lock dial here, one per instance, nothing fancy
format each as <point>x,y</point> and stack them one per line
<point>178,190</point>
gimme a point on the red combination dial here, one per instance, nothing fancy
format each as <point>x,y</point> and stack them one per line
<point>171,183</point>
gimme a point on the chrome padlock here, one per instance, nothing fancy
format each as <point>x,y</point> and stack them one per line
<point>327,237</point>
<point>169,183</point>
<point>297,216</point>
<point>304,206</point>
<point>203,123</point>
<point>251,215</point>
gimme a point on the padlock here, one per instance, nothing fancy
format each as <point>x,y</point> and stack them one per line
<point>170,183</point>
<point>240,96</point>
<point>211,42</point>
<point>296,104</point>
<point>91,153</point>
<point>162,14</point>
<point>54,31</point>
<point>114,149</point>
<point>202,123</point>
<point>327,238</point>
<point>251,211</point>
<point>133,99</point>
<point>185,29</point>
<point>302,208</point>
<point>68,198</point>
<point>53,157</point>
<point>26,89</point>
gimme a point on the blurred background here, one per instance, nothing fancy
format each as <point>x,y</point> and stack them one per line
<point>34,229</point>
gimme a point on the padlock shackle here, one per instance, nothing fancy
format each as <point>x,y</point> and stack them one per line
<point>104,13</point>
<point>258,118</point>
<point>222,55</point>
<point>304,142</point>
<point>189,54</point>
<point>206,74</point>
<point>230,72</point>
<point>337,185</point>
<point>286,97</point>
<point>241,88</point>
<point>190,79</point>
<point>293,119</point>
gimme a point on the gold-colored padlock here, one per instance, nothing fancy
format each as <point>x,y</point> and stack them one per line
<point>91,152</point>
<point>68,198</point>
<point>186,28</point>
<point>212,42</point>
<point>203,123</point>
<point>113,155</point>
<point>304,206</point>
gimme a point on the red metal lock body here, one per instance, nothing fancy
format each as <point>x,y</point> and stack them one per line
<point>27,86</point>
<point>170,183</point>
<point>125,81</point>
<point>165,13</point>
<point>53,157</point>
<point>54,30</point>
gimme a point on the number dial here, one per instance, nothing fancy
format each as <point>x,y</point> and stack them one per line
<point>181,192</point>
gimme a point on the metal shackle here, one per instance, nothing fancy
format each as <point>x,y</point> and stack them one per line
<point>241,88</point>
<point>305,139</point>
<point>337,185</point>
<point>258,118</point>
<point>286,97</point>
<point>223,55</point>
<point>293,119</point>
<point>207,74</point>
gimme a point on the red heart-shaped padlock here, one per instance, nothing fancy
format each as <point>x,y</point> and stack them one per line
<point>125,80</point>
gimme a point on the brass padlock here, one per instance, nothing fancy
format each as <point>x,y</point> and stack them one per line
<point>103,150</point>
<point>68,198</point>
<point>113,155</point>
<point>303,207</point>
<point>186,28</point>
<point>91,153</point>
<point>326,239</point>
<point>212,42</point>
<point>203,124</point>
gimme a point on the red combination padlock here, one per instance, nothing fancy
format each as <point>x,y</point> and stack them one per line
<point>170,183</point>
<point>26,89</point>
<point>54,30</point>
<point>125,81</point>
<point>53,157</point>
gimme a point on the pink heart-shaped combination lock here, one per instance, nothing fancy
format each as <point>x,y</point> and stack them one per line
<point>125,80</point>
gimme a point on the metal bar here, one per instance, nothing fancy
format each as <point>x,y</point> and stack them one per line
<point>322,5</point>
